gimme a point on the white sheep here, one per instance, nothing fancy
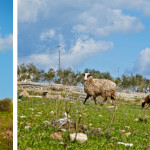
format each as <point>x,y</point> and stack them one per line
<point>99,87</point>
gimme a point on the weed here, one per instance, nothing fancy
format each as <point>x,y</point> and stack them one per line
<point>111,122</point>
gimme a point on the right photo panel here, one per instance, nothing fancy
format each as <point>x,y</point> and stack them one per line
<point>83,74</point>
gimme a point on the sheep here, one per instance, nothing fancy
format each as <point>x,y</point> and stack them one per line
<point>146,100</point>
<point>99,87</point>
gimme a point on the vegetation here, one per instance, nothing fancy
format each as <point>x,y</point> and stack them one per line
<point>129,124</point>
<point>6,105</point>
<point>68,77</point>
<point>6,124</point>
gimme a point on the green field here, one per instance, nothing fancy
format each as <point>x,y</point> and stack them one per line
<point>6,130</point>
<point>129,124</point>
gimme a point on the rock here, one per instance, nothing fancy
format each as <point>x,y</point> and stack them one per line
<point>24,93</point>
<point>59,97</point>
<point>65,115</point>
<point>47,123</point>
<point>56,136</point>
<point>37,96</point>
<point>81,137</point>
<point>63,121</point>
<point>63,130</point>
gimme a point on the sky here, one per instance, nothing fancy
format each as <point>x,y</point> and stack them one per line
<point>6,46</point>
<point>109,36</point>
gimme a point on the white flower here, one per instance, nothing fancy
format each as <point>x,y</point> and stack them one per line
<point>22,116</point>
<point>40,113</point>
<point>136,119</point>
<point>51,112</point>
<point>31,109</point>
<point>126,144</point>
<point>27,127</point>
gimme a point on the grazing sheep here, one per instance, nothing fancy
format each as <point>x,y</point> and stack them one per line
<point>99,87</point>
<point>146,100</point>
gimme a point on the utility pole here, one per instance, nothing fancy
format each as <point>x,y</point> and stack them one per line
<point>118,71</point>
<point>59,56</point>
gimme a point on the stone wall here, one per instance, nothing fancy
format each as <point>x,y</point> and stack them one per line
<point>75,89</point>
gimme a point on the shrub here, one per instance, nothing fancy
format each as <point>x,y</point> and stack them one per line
<point>6,105</point>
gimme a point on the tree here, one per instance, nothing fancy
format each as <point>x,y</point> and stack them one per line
<point>50,75</point>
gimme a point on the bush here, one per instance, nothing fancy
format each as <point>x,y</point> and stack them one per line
<point>6,105</point>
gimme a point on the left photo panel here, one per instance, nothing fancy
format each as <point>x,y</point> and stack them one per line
<point>6,75</point>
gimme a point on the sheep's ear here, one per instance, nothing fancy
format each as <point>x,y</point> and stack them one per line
<point>83,74</point>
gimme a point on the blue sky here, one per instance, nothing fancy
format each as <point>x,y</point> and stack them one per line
<point>6,52</point>
<point>102,35</point>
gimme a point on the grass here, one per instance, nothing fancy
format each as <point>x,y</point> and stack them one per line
<point>6,126</point>
<point>34,111</point>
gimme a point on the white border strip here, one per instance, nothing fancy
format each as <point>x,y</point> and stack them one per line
<point>15,74</point>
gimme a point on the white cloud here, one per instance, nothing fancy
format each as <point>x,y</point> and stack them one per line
<point>97,18</point>
<point>6,43</point>
<point>142,65</point>
<point>47,35</point>
<point>140,5</point>
<point>104,21</point>
<point>78,54</point>
<point>28,10</point>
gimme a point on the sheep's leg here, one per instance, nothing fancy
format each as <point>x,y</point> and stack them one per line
<point>113,99</point>
<point>104,100</point>
<point>143,104</point>
<point>95,100</point>
<point>86,98</point>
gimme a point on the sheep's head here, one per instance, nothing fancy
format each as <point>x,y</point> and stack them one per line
<point>86,76</point>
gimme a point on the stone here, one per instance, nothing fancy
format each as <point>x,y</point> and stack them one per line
<point>47,123</point>
<point>24,93</point>
<point>81,137</point>
<point>56,136</point>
